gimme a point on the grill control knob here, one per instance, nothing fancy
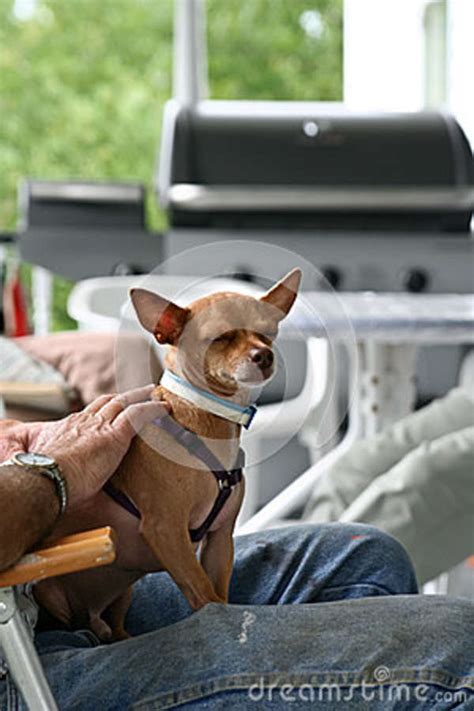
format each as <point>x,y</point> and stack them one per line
<point>415,280</point>
<point>124,269</point>
<point>244,274</point>
<point>332,275</point>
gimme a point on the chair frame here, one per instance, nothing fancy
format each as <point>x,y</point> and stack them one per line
<point>66,555</point>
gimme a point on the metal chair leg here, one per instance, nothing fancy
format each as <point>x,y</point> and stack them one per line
<point>21,657</point>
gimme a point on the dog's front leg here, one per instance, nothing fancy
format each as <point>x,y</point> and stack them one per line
<point>217,558</point>
<point>217,554</point>
<point>174,550</point>
<point>115,615</point>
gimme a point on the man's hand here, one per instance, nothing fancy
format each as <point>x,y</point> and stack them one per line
<point>88,445</point>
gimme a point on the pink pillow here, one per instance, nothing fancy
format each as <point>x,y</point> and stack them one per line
<point>87,360</point>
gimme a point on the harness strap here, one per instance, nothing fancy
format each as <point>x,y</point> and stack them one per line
<point>120,498</point>
<point>195,445</point>
<point>226,480</point>
<point>197,534</point>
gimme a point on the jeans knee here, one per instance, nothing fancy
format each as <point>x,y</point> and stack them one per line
<point>339,535</point>
<point>362,550</point>
<point>379,554</point>
<point>389,555</point>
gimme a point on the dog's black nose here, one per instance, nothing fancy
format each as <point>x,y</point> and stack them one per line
<point>263,357</point>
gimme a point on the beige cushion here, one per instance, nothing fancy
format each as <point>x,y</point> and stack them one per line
<point>87,360</point>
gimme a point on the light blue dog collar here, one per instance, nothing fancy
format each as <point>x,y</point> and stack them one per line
<point>207,401</point>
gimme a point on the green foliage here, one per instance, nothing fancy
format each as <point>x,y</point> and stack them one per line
<point>60,319</point>
<point>81,91</point>
<point>83,82</point>
<point>259,49</point>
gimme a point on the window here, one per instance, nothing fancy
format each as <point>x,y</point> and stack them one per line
<point>407,55</point>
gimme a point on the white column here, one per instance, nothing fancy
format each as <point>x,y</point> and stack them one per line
<point>42,296</point>
<point>383,55</point>
<point>190,55</point>
<point>460,52</point>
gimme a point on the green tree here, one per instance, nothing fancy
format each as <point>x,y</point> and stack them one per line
<point>275,49</point>
<point>82,86</point>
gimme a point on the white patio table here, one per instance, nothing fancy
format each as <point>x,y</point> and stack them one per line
<point>387,330</point>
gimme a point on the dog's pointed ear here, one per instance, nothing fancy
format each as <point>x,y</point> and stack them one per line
<point>159,316</point>
<point>282,296</point>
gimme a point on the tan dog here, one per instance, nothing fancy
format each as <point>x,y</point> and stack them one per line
<point>220,345</point>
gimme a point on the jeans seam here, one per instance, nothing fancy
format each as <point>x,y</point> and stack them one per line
<point>375,586</point>
<point>241,682</point>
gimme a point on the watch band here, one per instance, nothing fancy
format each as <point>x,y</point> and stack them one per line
<point>54,475</point>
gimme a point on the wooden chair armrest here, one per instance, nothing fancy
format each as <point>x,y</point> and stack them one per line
<point>47,396</point>
<point>80,551</point>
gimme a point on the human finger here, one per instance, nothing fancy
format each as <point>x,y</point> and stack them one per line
<point>138,394</point>
<point>117,404</point>
<point>140,414</point>
<point>97,404</point>
<point>109,411</point>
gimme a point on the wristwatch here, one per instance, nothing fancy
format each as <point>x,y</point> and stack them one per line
<point>48,467</point>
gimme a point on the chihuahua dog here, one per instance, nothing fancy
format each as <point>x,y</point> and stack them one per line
<point>179,489</point>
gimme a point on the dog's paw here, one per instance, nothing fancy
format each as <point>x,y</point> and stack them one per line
<point>120,634</point>
<point>100,628</point>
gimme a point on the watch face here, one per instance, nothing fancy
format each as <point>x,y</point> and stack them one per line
<point>33,459</point>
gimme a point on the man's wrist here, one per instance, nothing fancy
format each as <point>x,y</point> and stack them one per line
<point>30,510</point>
<point>43,484</point>
<point>41,465</point>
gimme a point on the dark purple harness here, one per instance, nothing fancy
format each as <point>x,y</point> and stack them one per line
<point>226,480</point>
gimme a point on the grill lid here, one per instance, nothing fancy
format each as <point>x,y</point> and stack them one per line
<point>272,164</point>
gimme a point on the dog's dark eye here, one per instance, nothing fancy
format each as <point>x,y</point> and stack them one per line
<point>223,338</point>
<point>267,338</point>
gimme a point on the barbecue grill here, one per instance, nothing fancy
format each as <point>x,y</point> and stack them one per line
<point>272,165</point>
<point>376,202</point>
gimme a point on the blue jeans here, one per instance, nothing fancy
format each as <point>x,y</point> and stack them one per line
<point>321,616</point>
